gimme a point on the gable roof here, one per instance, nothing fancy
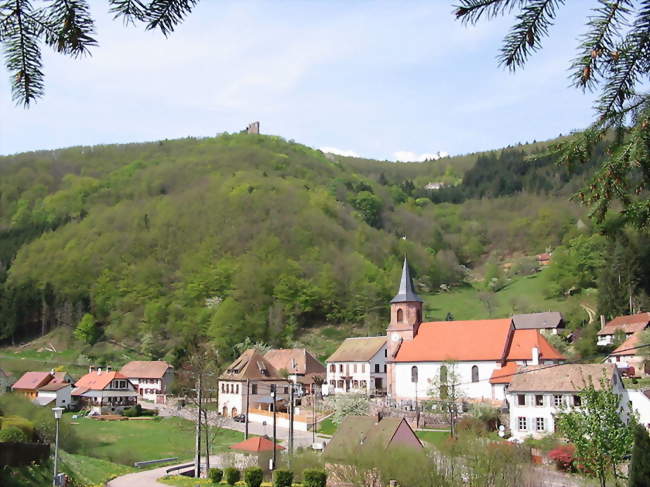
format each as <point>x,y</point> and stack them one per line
<point>356,433</point>
<point>438,341</point>
<point>504,374</point>
<point>32,380</point>
<point>54,386</point>
<point>549,319</point>
<point>61,378</point>
<point>97,380</point>
<point>145,369</point>
<point>523,342</point>
<point>251,365</point>
<point>256,444</point>
<point>560,378</point>
<point>624,348</point>
<point>406,293</point>
<point>360,349</point>
<point>627,323</point>
<point>295,361</point>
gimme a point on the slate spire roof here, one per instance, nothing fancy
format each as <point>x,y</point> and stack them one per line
<point>406,293</point>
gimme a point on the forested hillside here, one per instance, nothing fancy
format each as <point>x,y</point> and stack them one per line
<point>162,244</point>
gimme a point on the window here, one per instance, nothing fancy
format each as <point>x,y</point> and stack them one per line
<point>286,390</point>
<point>223,389</point>
<point>355,384</point>
<point>385,352</point>
<point>521,399</point>
<point>332,368</point>
<point>333,383</point>
<point>557,400</point>
<point>340,368</point>
<point>363,368</point>
<point>540,424</point>
<point>340,384</point>
<point>577,400</point>
<point>522,423</point>
<point>474,373</point>
<point>384,368</point>
<point>364,384</point>
<point>237,389</point>
<point>539,400</point>
<point>400,315</point>
<point>414,374</point>
<point>355,368</point>
<point>253,388</point>
<point>419,315</point>
<point>377,368</point>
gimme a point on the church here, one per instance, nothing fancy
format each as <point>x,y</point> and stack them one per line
<point>478,356</point>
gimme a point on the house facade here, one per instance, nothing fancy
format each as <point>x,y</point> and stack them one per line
<point>358,365</point>
<point>423,356</point>
<point>250,380</point>
<point>57,394</point>
<point>628,358</point>
<point>301,367</point>
<point>152,379</point>
<point>550,322</point>
<point>30,382</point>
<point>105,392</point>
<point>629,325</point>
<point>537,395</point>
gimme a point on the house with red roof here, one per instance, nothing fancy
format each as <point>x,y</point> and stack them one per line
<point>31,382</point>
<point>628,358</point>
<point>628,324</point>
<point>420,354</point>
<point>105,392</point>
<point>152,378</point>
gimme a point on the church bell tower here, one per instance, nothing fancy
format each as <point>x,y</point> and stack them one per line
<point>405,314</point>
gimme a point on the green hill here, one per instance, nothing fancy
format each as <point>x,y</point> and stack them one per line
<point>237,236</point>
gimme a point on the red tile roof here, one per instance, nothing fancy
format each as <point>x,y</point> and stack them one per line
<point>504,374</point>
<point>256,445</point>
<point>628,323</point>
<point>97,380</point>
<point>143,369</point>
<point>624,348</point>
<point>524,340</point>
<point>32,380</point>
<point>457,340</point>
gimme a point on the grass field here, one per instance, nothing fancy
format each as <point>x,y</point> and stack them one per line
<point>327,427</point>
<point>126,442</point>
<point>433,437</point>
<point>92,471</point>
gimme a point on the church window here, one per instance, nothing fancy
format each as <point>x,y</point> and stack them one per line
<point>475,373</point>
<point>400,315</point>
<point>414,374</point>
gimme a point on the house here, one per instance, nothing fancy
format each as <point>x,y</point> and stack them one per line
<point>55,393</point>
<point>153,379</point>
<point>4,382</point>
<point>550,322</point>
<point>628,358</point>
<point>537,394</point>
<point>105,392</point>
<point>30,382</point>
<point>544,259</point>
<point>300,365</point>
<point>640,403</point>
<point>357,434</point>
<point>423,354</point>
<point>359,364</point>
<point>250,380</point>
<point>628,324</point>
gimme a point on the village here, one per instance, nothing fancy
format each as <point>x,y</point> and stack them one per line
<point>421,380</point>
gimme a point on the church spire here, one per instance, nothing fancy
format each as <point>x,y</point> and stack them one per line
<point>406,293</point>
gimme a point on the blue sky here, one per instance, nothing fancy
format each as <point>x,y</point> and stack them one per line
<point>381,79</point>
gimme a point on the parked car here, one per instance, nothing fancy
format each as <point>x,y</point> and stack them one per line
<point>240,418</point>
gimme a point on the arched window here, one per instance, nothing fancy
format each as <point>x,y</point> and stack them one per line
<point>419,315</point>
<point>400,315</point>
<point>414,374</point>
<point>475,373</point>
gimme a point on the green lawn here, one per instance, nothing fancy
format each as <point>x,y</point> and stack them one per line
<point>433,437</point>
<point>642,383</point>
<point>92,471</point>
<point>126,442</point>
<point>327,427</point>
<point>181,481</point>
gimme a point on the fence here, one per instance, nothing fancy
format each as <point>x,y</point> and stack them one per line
<point>20,454</point>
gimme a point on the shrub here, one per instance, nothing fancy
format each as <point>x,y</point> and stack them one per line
<point>232,475</point>
<point>23,424</point>
<point>133,412</point>
<point>215,475</point>
<point>282,478</point>
<point>314,478</point>
<point>471,425</point>
<point>253,476</point>
<point>12,434</point>
<point>563,456</point>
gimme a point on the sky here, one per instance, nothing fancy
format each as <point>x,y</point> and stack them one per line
<point>371,78</point>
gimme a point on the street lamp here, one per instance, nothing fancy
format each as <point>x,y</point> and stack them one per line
<point>58,412</point>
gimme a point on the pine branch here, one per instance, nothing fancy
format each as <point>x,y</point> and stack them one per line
<point>599,42</point>
<point>471,11</point>
<point>525,38</point>
<point>130,10</point>
<point>167,14</point>
<point>72,27</point>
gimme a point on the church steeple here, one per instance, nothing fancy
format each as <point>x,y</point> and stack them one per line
<point>406,293</point>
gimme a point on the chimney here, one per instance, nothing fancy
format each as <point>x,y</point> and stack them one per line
<point>535,353</point>
<point>91,369</point>
<point>108,368</point>
<point>52,371</point>
<point>99,371</point>
<point>602,321</point>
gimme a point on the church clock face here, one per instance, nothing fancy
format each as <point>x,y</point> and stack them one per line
<point>394,337</point>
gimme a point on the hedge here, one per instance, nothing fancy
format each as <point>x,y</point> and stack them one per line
<point>253,476</point>
<point>312,477</point>
<point>232,475</point>
<point>282,478</point>
<point>215,475</point>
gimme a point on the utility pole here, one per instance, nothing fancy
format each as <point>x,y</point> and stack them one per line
<point>197,460</point>
<point>313,413</point>
<point>248,393</point>
<point>207,440</point>
<point>275,439</point>
<point>291,419</point>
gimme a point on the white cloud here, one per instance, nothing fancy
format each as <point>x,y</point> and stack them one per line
<point>408,156</point>
<point>340,152</point>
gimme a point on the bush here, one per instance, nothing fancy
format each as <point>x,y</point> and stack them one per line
<point>133,412</point>
<point>23,424</point>
<point>563,456</point>
<point>253,476</point>
<point>12,434</point>
<point>282,478</point>
<point>215,475</point>
<point>472,426</point>
<point>314,478</point>
<point>232,475</point>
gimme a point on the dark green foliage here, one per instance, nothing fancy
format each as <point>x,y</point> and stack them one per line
<point>253,476</point>
<point>232,475</point>
<point>12,434</point>
<point>314,478</point>
<point>133,412</point>
<point>215,475</point>
<point>639,472</point>
<point>282,478</point>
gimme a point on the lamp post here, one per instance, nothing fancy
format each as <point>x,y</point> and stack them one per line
<point>58,412</point>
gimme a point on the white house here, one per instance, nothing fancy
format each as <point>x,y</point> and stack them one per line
<point>640,403</point>
<point>629,325</point>
<point>538,394</point>
<point>628,358</point>
<point>153,379</point>
<point>359,364</point>
<point>57,394</point>
<point>250,380</point>
<point>422,355</point>
<point>105,392</point>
